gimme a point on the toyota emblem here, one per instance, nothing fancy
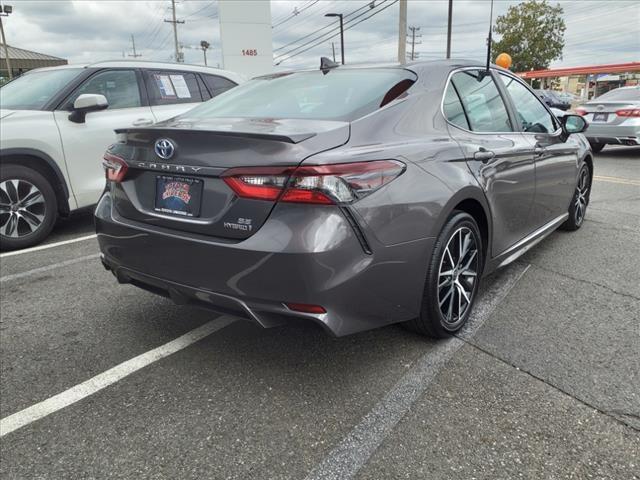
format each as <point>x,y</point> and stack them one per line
<point>165,148</point>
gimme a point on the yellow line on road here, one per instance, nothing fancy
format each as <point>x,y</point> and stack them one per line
<point>623,181</point>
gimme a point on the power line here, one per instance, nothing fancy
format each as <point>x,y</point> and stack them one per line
<point>333,29</point>
<point>351,25</point>
<point>347,15</point>
<point>295,13</point>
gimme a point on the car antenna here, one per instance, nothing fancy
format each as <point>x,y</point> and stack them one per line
<point>486,72</point>
<point>327,64</point>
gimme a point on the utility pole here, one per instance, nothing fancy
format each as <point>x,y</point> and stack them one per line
<point>175,23</point>
<point>449,28</point>
<point>413,41</point>
<point>6,10</point>
<point>333,49</point>
<point>133,44</point>
<point>402,33</point>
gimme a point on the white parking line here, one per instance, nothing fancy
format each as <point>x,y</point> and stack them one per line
<point>111,376</point>
<point>15,276</point>
<point>48,245</point>
<point>346,459</point>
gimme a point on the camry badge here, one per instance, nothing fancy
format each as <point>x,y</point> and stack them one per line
<point>164,148</point>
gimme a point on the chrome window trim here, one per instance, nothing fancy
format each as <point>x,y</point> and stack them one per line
<point>462,69</point>
<point>557,131</point>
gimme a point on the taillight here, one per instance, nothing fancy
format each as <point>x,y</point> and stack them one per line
<point>318,184</point>
<point>581,111</point>
<point>115,168</point>
<point>628,112</point>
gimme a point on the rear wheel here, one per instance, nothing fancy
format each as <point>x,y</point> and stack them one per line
<point>596,147</point>
<point>580,200</point>
<point>28,207</point>
<point>452,281</point>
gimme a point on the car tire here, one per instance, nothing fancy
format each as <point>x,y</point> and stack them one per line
<point>579,201</point>
<point>596,147</point>
<point>445,308</point>
<point>28,207</point>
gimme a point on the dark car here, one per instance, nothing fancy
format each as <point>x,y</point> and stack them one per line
<point>553,100</point>
<point>349,197</point>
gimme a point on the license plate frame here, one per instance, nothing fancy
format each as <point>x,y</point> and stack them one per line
<point>600,117</point>
<point>179,196</point>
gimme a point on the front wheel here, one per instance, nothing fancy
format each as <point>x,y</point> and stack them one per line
<point>580,200</point>
<point>453,276</point>
<point>28,207</point>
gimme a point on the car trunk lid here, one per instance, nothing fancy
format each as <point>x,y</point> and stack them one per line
<point>156,189</point>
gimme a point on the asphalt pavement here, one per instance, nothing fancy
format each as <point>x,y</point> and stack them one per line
<point>100,380</point>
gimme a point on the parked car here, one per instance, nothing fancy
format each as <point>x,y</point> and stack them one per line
<point>57,123</point>
<point>384,200</point>
<point>568,97</point>
<point>552,100</point>
<point>614,118</point>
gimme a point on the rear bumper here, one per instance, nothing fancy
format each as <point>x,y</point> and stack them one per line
<point>614,134</point>
<point>296,257</point>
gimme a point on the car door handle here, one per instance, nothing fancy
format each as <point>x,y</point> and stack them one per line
<point>539,151</point>
<point>483,155</point>
<point>142,122</point>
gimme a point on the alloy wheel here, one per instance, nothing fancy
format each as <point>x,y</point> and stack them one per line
<point>22,208</point>
<point>457,277</point>
<point>582,193</point>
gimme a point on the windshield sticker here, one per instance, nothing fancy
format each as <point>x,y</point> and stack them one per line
<point>165,86</point>
<point>181,86</point>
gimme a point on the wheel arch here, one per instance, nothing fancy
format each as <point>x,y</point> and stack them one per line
<point>470,200</point>
<point>43,164</point>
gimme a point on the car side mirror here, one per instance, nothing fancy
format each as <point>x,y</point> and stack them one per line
<point>85,103</point>
<point>574,124</point>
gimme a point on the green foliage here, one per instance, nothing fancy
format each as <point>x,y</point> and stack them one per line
<point>532,32</point>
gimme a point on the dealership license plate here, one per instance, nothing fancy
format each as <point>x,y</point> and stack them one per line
<point>600,117</point>
<point>178,195</point>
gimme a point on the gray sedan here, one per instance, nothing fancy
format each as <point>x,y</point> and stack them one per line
<point>348,197</point>
<point>614,118</point>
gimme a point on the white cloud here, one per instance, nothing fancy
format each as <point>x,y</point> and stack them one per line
<point>598,31</point>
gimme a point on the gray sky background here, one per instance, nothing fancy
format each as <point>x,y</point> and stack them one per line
<point>598,31</point>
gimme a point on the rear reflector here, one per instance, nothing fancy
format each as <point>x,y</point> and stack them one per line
<point>305,308</point>
<point>316,184</point>
<point>628,112</point>
<point>115,168</point>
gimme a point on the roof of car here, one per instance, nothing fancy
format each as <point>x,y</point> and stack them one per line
<point>152,65</point>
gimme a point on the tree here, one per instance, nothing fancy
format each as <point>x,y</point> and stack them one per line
<point>532,32</point>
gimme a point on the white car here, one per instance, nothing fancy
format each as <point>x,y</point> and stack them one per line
<point>56,123</point>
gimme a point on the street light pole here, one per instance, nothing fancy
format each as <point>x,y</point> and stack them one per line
<point>339,15</point>
<point>204,45</point>
<point>449,28</point>
<point>6,10</point>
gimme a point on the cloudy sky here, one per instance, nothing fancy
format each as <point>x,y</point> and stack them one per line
<point>598,31</point>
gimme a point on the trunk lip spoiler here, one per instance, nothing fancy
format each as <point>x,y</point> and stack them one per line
<point>276,137</point>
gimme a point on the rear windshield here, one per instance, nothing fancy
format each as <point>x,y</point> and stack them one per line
<point>621,94</point>
<point>336,95</point>
<point>32,91</point>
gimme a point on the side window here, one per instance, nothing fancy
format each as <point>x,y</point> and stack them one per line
<point>453,110</point>
<point>530,113</point>
<point>120,87</point>
<point>217,85</point>
<point>482,102</point>
<point>171,87</point>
